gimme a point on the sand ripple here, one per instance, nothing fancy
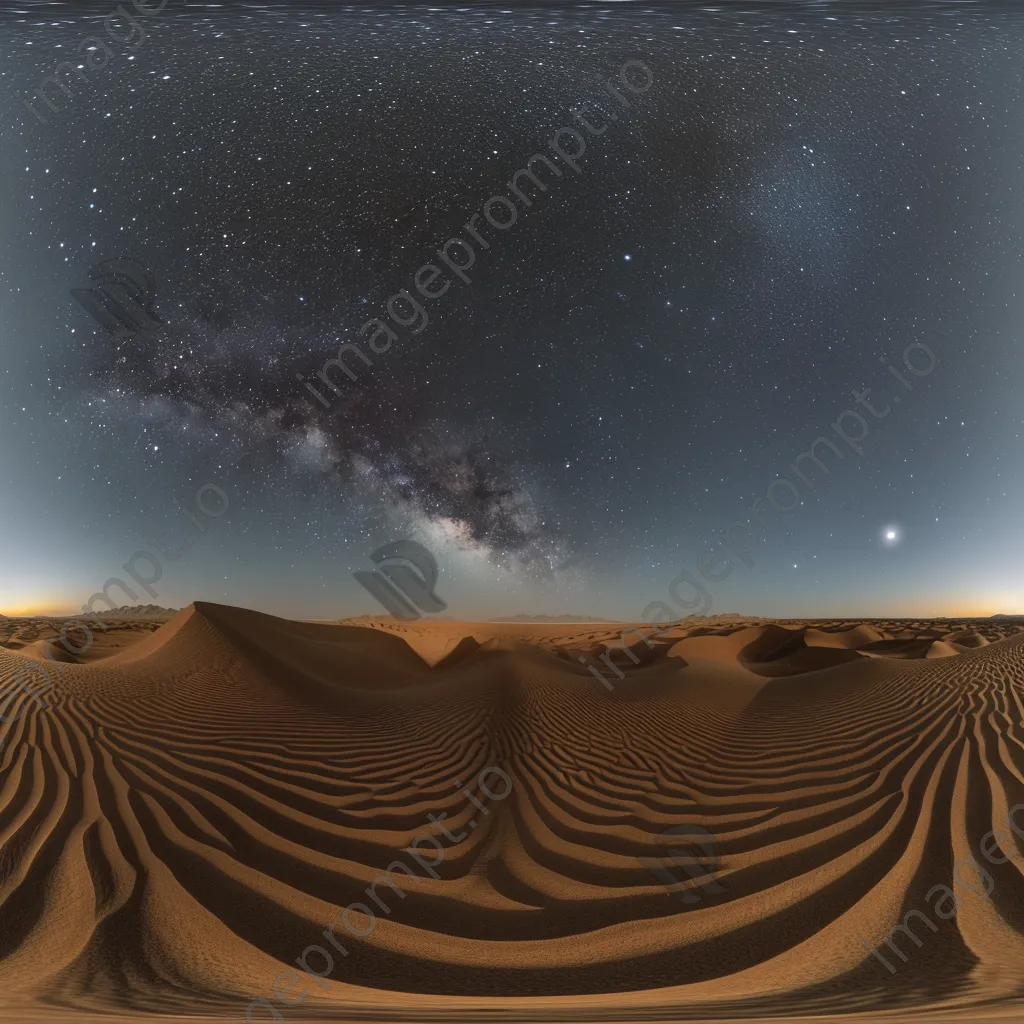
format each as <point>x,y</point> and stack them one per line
<point>185,817</point>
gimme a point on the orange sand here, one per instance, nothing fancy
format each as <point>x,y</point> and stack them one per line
<point>195,805</point>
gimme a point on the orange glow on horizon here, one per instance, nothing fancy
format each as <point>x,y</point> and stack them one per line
<point>33,610</point>
<point>49,611</point>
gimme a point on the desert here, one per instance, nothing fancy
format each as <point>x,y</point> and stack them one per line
<point>196,819</point>
<point>510,512</point>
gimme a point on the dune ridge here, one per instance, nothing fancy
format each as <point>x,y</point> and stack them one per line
<point>190,812</point>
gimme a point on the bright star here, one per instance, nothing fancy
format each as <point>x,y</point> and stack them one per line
<point>891,535</point>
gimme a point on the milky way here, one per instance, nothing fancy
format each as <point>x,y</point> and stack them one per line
<point>803,191</point>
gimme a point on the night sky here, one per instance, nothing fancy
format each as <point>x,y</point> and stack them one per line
<point>801,193</point>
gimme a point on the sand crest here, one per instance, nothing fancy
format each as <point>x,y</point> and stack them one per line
<point>185,812</point>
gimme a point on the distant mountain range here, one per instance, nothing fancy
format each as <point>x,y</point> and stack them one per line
<point>135,611</point>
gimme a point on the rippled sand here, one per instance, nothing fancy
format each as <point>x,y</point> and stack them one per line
<point>192,807</point>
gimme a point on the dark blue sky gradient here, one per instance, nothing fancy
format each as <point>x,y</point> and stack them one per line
<point>802,192</point>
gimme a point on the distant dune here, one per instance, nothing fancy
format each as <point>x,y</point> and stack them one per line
<point>524,617</point>
<point>184,815</point>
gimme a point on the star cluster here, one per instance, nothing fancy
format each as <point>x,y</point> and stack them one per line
<point>803,190</point>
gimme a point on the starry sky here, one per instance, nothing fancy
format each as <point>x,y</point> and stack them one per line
<point>802,194</point>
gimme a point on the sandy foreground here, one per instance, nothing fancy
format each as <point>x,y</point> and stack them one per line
<point>186,808</point>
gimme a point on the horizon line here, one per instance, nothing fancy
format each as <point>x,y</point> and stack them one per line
<point>563,618</point>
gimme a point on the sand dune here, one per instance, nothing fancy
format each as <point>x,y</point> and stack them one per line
<point>193,806</point>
